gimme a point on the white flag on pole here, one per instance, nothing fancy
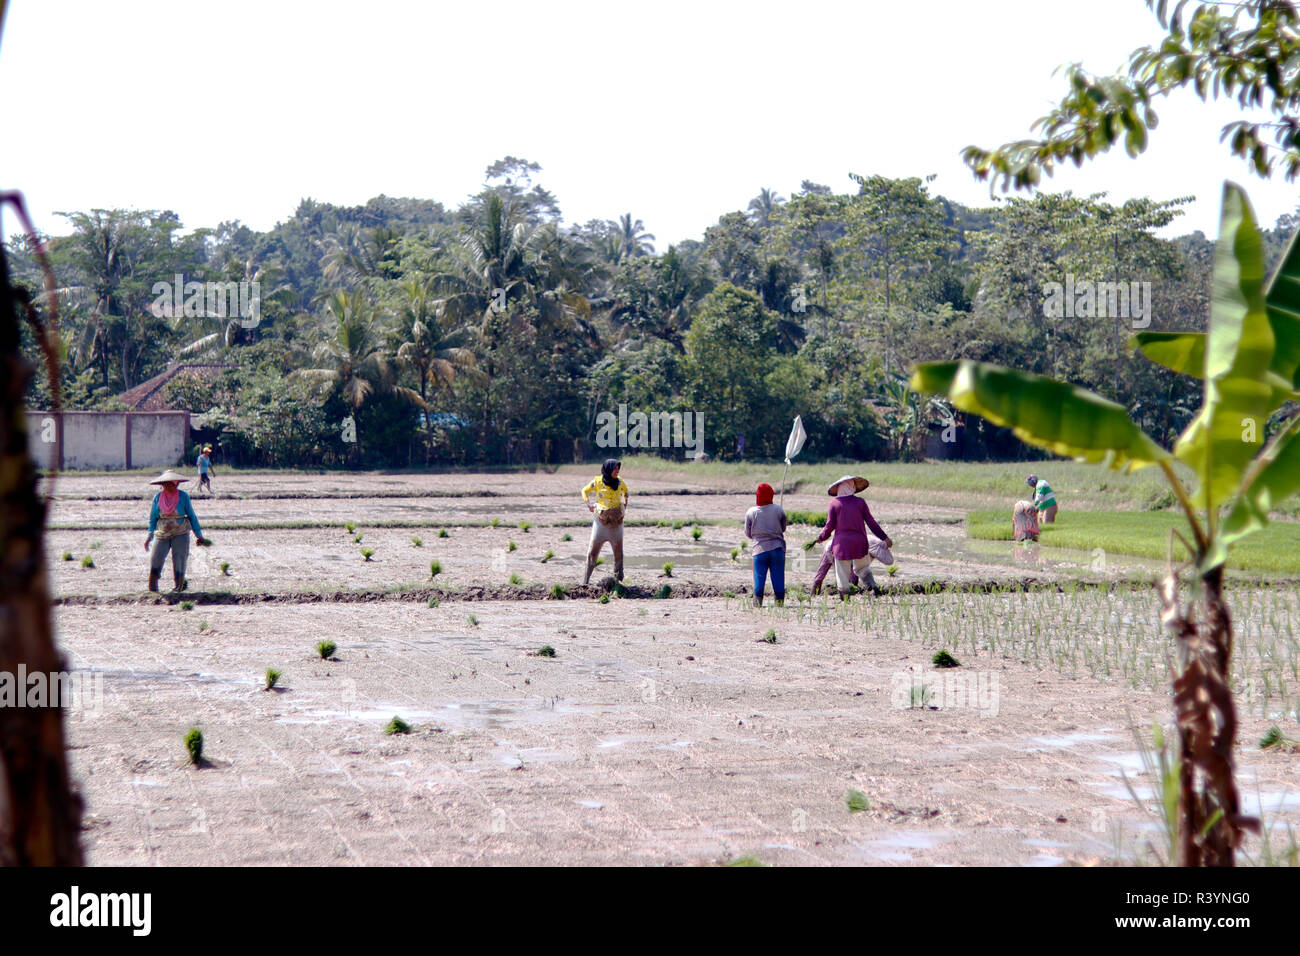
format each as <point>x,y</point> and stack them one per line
<point>795,442</point>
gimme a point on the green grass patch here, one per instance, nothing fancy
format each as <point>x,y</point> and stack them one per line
<point>326,649</point>
<point>857,801</point>
<point>1275,549</point>
<point>272,677</point>
<point>546,651</point>
<point>194,745</point>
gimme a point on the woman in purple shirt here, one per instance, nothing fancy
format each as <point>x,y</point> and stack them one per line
<point>848,519</point>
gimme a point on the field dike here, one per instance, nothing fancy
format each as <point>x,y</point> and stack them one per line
<point>678,590</point>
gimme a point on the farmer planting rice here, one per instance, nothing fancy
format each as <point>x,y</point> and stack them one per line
<point>848,519</point>
<point>1024,521</point>
<point>171,520</point>
<point>1044,498</point>
<point>765,523</point>
<point>611,495</point>
<point>876,550</point>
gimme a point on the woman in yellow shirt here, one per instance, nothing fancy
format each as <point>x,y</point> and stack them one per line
<point>611,495</point>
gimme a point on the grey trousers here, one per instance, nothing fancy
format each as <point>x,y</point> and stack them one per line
<point>179,546</point>
<point>600,533</point>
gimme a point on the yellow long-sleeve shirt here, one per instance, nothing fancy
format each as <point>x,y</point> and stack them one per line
<point>606,497</point>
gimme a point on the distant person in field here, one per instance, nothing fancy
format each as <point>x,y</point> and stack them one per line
<point>765,523</point>
<point>1024,521</point>
<point>205,468</point>
<point>170,522</point>
<point>1044,498</point>
<point>848,519</point>
<point>610,506</point>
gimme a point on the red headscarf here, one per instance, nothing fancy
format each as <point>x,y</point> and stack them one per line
<point>764,494</point>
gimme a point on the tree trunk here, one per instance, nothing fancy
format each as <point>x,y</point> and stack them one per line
<point>1210,824</point>
<point>40,816</point>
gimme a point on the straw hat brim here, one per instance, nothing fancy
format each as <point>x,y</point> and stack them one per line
<point>167,476</point>
<point>859,483</point>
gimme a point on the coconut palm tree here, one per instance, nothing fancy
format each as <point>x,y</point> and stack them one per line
<point>635,240</point>
<point>354,357</point>
<point>429,342</point>
<point>764,204</point>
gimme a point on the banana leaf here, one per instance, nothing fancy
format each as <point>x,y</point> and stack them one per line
<point>1059,417</point>
<point>1222,440</point>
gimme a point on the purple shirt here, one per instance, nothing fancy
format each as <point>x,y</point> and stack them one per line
<point>848,519</point>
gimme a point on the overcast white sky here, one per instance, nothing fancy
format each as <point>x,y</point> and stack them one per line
<point>674,111</point>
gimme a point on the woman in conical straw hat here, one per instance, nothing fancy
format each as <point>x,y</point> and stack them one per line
<point>170,522</point>
<point>848,519</point>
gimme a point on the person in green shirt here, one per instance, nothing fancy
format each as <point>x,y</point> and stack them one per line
<point>1044,498</point>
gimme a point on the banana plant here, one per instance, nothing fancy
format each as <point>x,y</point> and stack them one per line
<point>1249,361</point>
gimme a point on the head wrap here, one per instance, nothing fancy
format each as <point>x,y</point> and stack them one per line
<point>764,494</point>
<point>607,472</point>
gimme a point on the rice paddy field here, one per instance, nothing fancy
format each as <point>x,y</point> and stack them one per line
<point>480,706</point>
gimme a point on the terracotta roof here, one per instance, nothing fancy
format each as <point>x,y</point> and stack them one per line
<point>148,396</point>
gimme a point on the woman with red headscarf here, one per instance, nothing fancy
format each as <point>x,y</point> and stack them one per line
<point>766,523</point>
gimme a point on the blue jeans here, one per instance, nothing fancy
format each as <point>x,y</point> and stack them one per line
<point>774,562</point>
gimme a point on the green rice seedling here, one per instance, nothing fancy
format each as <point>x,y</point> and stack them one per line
<point>546,651</point>
<point>397,726</point>
<point>415,540</point>
<point>194,745</point>
<point>744,545</point>
<point>87,562</point>
<point>664,592</point>
<point>746,860</point>
<point>442,533</point>
<point>677,525</point>
<point>96,545</point>
<point>548,555</point>
<point>696,533</point>
<point>524,526</point>
<point>599,562</point>
<point>735,553</point>
<point>516,579</point>
<point>225,569</point>
<point>857,801</point>
<point>204,627</point>
<point>566,537</point>
<point>472,620</point>
<point>433,602</point>
<point>435,568</point>
<point>557,591</point>
<point>1164,769</point>
<point>511,546</point>
<point>272,678</point>
<point>920,696</point>
<point>187,605</point>
<point>892,570</point>
<point>1276,740</point>
<point>668,569</point>
<point>326,649</point>
<point>357,539</point>
<point>641,612</point>
<point>496,522</point>
<point>728,594</point>
<point>604,599</point>
<point>352,528</point>
<point>770,636</point>
<point>944,659</point>
<point>67,555</point>
<point>619,589</point>
<point>366,553</point>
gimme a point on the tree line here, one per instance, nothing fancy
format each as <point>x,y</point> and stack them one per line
<point>495,332</point>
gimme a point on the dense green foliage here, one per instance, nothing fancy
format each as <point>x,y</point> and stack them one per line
<point>401,333</point>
